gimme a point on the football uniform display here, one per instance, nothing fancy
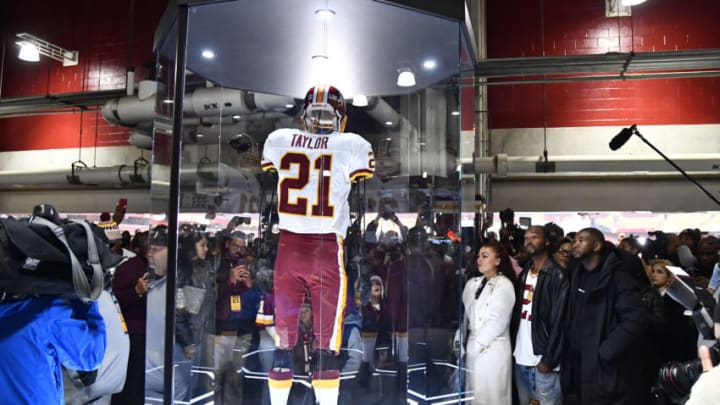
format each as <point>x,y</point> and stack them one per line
<point>316,168</point>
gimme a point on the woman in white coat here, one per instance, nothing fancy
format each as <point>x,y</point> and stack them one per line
<point>489,300</point>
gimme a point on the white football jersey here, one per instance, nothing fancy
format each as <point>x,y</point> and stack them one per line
<point>315,173</point>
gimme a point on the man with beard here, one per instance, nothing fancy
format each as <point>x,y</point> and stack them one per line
<point>236,308</point>
<point>537,322</point>
<point>606,325</point>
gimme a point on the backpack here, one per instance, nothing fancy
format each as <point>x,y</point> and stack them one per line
<point>82,387</point>
<point>43,257</point>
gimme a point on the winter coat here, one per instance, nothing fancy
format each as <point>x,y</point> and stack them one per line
<point>133,306</point>
<point>612,323</point>
<point>548,311</point>
<point>489,355</point>
<point>40,335</point>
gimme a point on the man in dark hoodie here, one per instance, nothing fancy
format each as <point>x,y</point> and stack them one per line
<point>606,326</point>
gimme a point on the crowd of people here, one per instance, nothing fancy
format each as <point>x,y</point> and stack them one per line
<point>589,322</point>
<point>539,316</point>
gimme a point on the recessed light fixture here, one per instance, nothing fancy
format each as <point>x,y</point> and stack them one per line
<point>208,54</point>
<point>360,100</point>
<point>455,112</point>
<point>429,64</point>
<point>388,123</point>
<point>325,13</point>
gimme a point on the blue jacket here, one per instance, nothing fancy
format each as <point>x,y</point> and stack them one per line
<point>39,335</point>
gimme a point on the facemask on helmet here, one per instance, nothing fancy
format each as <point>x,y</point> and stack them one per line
<point>324,110</point>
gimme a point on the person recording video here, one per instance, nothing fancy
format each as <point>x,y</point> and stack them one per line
<point>704,391</point>
<point>677,380</point>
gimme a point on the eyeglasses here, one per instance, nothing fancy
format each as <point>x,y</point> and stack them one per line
<point>563,252</point>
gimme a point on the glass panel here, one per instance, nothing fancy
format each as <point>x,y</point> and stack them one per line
<point>318,278</point>
<point>159,234</point>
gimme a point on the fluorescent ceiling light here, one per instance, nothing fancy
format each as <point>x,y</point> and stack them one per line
<point>45,48</point>
<point>406,78</point>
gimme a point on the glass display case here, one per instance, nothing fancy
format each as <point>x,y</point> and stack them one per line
<point>337,273</point>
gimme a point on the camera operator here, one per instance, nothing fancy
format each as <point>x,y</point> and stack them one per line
<point>704,391</point>
<point>675,379</point>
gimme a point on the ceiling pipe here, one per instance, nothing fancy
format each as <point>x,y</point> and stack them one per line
<point>141,140</point>
<point>205,102</point>
<point>112,176</point>
<point>124,176</point>
<point>668,61</point>
<point>502,165</point>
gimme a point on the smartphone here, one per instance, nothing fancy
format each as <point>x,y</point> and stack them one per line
<point>237,261</point>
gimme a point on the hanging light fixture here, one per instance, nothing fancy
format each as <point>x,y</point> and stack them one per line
<point>41,47</point>
<point>406,78</point>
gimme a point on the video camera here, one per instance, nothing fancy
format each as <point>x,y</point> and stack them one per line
<point>676,378</point>
<point>509,230</point>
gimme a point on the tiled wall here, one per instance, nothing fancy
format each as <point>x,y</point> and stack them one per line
<point>515,28</point>
<point>99,31</point>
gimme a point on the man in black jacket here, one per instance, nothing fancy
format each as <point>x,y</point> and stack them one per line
<point>538,322</point>
<point>606,326</point>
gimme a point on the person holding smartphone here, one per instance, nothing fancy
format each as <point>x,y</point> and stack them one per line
<point>237,305</point>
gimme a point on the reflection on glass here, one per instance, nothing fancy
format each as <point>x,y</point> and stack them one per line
<point>314,285</point>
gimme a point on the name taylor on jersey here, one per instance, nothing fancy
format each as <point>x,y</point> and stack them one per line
<point>309,142</point>
<point>315,174</point>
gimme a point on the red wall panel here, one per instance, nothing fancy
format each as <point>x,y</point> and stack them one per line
<point>519,28</point>
<point>70,130</point>
<point>99,30</point>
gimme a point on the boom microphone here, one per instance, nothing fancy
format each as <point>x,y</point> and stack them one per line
<point>620,139</point>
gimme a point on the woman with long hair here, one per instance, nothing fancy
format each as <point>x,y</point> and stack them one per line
<point>196,298</point>
<point>489,299</point>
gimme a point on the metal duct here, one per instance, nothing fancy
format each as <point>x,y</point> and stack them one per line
<point>201,102</point>
<point>141,140</point>
<point>381,111</point>
<point>503,165</point>
<point>668,61</point>
<point>113,176</point>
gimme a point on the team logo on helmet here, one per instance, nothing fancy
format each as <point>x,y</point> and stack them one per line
<point>324,110</point>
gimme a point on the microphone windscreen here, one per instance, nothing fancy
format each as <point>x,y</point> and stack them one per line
<point>619,140</point>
